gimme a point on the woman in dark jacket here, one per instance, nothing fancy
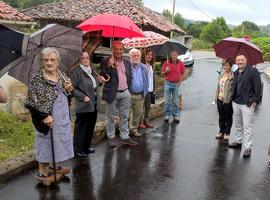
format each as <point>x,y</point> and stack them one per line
<point>86,92</point>
<point>47,100</point>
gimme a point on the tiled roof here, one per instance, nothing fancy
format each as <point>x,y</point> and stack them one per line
<point>78,10</point>
<point>9,13</point>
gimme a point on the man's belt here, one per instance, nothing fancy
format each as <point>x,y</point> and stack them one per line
<point>137,93</point>
<point>121,90</point>
<point>173,82</point>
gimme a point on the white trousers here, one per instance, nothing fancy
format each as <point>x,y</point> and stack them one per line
<point>243,119</point>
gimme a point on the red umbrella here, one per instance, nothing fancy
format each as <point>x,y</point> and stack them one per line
<point>150,39</point>
<point>230,47</point>
<point>112,25</point>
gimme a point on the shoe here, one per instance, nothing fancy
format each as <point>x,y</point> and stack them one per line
<point>166,119</point>
<point>135,133</point>
<point>247,153</point>
<point>91,149</point>
<point>130,142</point>
<point>142,126</point>
<point>60,170</point>
<point>47,179</point>
<point>219,136</point>
<point>81,155</point>
<point>148,125</point>
<point>113,142</point>
<point>176,120</point>
<point>226,137</point>
<point>235,145</point>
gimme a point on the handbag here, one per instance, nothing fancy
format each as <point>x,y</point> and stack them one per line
<point>153,98</point>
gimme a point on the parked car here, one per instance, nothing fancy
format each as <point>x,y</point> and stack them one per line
<point>187,59</point>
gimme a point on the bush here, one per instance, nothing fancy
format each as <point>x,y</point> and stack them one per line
<point>264,44</point>
<point>16,136</point>
<point>201,44</point>
<point>157,67</point>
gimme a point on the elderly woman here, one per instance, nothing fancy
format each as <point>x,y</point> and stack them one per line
<point>47,100</point>
<point>224,96</point>
<point>85,82</point>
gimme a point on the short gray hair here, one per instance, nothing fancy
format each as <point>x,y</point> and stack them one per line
<point>50,50</point>
<point>134,51</point>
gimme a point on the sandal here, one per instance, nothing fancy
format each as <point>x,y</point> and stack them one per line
<point>47,179</point>
<point>60,170</point>
<point>219,136</point>
<point>226,137</point>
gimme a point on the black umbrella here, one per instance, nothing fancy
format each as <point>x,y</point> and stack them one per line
<point>67,41</point>
<point>165,49</point>
<point>12,48</point>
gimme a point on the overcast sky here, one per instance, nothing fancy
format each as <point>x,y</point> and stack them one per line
<point>234,11</point>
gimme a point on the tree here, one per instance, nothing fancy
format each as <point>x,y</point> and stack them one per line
<point>224,27</point>
<point>215,31</point>
<point>27,3</point>
<point>179,20</point>
<point>247,28</point>
<point>195,29</point>
<point>212,33</point>
<point>167,13</point>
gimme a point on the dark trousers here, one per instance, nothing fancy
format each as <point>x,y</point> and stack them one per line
<point>225,111</point>
<point>83,131</point>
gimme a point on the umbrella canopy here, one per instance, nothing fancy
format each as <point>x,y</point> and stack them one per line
<point>230,47</point>
<point>164,50</point>
<point>12,46</point>
<point>66,40</point>
<point>112,25</point>
<point>151,38</point>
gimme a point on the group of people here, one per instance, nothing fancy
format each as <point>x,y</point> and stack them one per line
<point>238,94</point>
<point>128,90</point>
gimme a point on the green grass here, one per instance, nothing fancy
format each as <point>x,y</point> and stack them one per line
<point>16,137</point>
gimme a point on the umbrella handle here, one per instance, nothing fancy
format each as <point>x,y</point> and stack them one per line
<point>99,76</point>
<point>53,155</point>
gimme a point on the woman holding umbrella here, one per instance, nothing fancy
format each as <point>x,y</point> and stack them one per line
<point>47,100</point>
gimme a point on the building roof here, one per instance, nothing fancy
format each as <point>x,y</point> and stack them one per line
<point>9,13</point>
<point>70,10</point>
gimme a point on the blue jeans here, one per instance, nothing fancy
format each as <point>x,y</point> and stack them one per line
<point>171,94</point>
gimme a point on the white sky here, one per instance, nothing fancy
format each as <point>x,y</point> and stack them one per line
<point>233,11</point>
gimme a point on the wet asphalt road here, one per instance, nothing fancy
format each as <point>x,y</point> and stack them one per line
<point>174,162</point>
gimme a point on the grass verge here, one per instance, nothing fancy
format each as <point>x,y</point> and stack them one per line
<point>16,137</point>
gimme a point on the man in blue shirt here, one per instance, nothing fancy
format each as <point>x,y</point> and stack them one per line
<point>138,90</point>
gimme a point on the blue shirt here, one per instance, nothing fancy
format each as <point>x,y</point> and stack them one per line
<point>137,81</point>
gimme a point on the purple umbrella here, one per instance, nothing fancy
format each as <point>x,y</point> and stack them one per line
<point>66,40</point>
<point>230,47</point>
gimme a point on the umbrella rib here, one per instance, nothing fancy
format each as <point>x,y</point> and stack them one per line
<point>61,34</point>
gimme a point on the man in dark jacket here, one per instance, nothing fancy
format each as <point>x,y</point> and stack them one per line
<point>116,94</point>
<point>246,97</point>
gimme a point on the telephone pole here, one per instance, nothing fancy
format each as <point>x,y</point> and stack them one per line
<point>173,11</point>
